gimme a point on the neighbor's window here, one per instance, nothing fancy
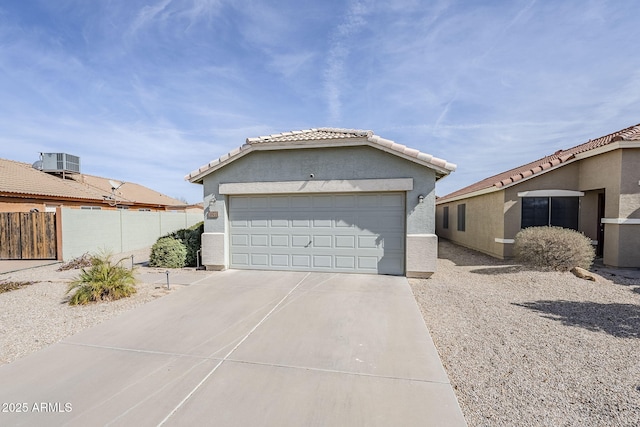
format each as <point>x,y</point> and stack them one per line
<point>462,217</point>
<point>445,217</point>
<point>555,211</point>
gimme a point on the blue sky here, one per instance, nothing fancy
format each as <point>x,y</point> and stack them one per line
<point>147,91</point>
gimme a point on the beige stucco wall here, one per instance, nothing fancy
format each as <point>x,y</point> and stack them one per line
<point>628,242</point>
<point>603,172</point>
<point>616,173</point>
<point>484,223</point>
<point>564,178</point>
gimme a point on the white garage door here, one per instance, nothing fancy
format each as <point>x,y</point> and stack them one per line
<point>338,232</point>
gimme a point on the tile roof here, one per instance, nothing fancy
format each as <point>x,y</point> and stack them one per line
<point>21,179</point>
<point>560,157</point>
<point>322,137</point>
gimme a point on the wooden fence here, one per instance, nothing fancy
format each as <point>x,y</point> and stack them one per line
<point>29,235</point>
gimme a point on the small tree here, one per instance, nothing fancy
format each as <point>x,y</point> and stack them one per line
<point>103,281</point>
<point>553,248</point>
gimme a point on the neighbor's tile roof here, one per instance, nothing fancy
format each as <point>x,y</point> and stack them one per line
<point>500,180</point>
<point>21,179</point>
<point>318,137</point>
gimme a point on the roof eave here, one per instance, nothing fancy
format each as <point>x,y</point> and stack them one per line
<point>441,167</point>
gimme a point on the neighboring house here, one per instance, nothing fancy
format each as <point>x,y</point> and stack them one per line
<point>593,188</point>
<point>24,187</point>
<point>51,212</point>
<point>326,199</point>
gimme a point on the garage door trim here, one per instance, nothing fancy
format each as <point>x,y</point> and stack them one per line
<point>317,186</point>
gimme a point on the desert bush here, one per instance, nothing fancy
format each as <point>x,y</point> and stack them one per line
<point>103,281</point>
<point>168,252</point>
<point>553,248</point>
<point>191,238</point>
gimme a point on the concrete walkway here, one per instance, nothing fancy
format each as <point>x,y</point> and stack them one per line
<point>245,348</point>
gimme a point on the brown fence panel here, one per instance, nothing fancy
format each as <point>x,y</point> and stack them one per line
<point>27,235</point>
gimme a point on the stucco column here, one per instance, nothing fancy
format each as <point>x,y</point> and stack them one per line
<point>422,255</point>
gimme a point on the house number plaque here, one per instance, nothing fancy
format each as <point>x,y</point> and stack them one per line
<point>212,215</point>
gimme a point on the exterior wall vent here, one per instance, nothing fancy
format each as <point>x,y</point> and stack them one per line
<point>60,163</point>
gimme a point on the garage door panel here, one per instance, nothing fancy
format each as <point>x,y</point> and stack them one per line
<point>367,242</point>
<point>261,260</point>
<point>279,202</point>
<point>346,242</point>
<point>280,260</point>
<point>332,232</point>
<point>322,261</point>
<point>390,200</point>
<point>280,240</point>
<point>345,262</point>
<point>259,240</point>
<point>322,202</point>
<point>301,241</point>
<point>367,262</point>
<point>392,243</point>
<point>368,201</point>
<point>239,223</point>
<point>327,222</point>
<point>344,221</point>
<point>240,240</point>
<point>284,223</point>
<point>322,241</point>
<point>258,202</point>
<point>240,259</point>
<point>301,261</point>
<point>301,202</point>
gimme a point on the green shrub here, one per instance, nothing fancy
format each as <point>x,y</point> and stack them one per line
<point>103,281</point>
<point>168,252</point>
<point>553,248</point>
<point>191,238</point>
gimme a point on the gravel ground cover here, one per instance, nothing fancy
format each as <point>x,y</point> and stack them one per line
<point>529,348</point>
<point>37,315</point>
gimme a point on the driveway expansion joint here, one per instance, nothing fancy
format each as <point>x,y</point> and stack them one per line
<point>338,371</point>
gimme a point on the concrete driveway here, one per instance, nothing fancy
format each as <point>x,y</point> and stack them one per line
<point>244,348</point>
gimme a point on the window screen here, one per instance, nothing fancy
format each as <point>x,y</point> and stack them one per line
<point>462,217</point>
<point>556,211</point>
<point>564,212</point>
<point>535,212</point>
<point>445,217</point>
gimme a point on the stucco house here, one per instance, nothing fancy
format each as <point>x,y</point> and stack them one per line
<point>25,187</point>
<point>593,187</point>
<point>338,200</point>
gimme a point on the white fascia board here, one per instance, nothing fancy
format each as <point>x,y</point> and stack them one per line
<point>606,148</point>
<point>551,193</point>
<point>437,168</point>
<point>482,192</point>
<point>221,162</point>
<point>625,221</point>
<point>319,186</point>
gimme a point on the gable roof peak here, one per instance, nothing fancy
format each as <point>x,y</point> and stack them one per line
<point>324,137</point>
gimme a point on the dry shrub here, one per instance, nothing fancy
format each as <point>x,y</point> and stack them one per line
<point>553,248</point>
<point>80,262</point>
<point>6,286</point>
